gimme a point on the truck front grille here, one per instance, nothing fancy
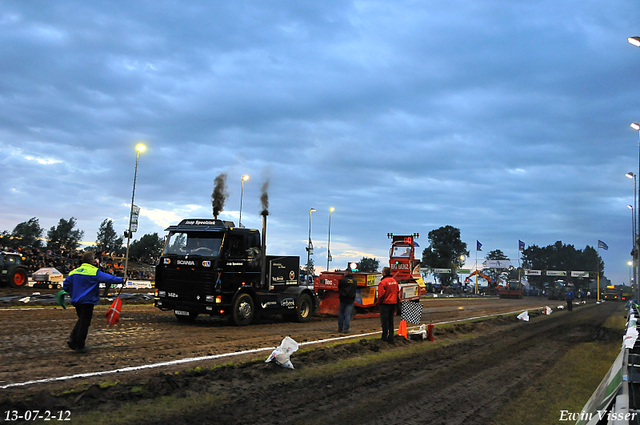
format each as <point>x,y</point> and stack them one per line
<point>188,282</point>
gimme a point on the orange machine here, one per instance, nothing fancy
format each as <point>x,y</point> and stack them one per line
<point>404,266</point>
<point>326,285</point>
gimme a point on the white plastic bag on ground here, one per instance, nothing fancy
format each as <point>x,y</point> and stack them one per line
<point>547,310</point>
<point>524,316</point>
<point>420,333</point>
<point>281,354</point>
<point>561,307</point>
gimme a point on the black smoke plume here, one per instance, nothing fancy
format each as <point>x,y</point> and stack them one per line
<point>264,198</point>
<point>219,195</point>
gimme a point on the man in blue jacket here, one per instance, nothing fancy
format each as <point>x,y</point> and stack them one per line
<point>83,286</point>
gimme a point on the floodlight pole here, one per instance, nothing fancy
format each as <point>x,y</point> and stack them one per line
<point>139,148</point>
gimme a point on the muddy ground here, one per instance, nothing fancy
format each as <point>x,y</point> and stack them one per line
<point>466,382</point>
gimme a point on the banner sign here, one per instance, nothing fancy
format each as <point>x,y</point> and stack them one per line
<point>498,264</point>
<point>533,272</point>
<point>464,271</point>
<point>441,270</point>
<point>135,213</point>
<point>556,273</point>
<point>579,274</point>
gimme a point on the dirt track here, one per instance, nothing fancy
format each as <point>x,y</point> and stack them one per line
<point>463,383</point>
<point>147,335</point>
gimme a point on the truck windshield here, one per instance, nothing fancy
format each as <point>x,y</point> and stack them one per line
<point>195,243</point>
<point>401,251</point>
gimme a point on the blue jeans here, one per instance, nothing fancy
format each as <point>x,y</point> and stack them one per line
<point>344,316</point>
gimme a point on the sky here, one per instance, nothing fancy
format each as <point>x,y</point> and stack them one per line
<point>507,120</point>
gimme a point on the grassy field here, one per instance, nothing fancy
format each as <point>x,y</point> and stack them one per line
<point>568,384</point>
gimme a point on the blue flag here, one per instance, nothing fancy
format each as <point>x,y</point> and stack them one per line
<point>602,245</point>
<point>520,245</point>
<point>478,246</point>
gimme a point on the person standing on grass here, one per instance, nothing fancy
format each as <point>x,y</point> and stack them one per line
<point>347,287</point>
<point>570,297</point>
<point>83,287</point>
<point>388,299</point>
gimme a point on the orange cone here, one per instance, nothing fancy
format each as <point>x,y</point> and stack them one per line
<point>402,330</point>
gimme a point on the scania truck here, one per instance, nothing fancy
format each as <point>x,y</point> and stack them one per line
<point>211,267</point>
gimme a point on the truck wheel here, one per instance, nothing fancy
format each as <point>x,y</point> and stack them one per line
<point>190,318</point>
<point>243,310</point>
<point>18,278</point>
<point>305,308</point>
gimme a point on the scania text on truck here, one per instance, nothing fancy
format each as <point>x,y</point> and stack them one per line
<point>209,266</point>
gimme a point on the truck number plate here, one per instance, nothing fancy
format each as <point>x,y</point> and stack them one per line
<point>181,313</point>
<point>172,295</point>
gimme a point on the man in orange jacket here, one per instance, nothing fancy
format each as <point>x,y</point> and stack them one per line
<point>388,299</point>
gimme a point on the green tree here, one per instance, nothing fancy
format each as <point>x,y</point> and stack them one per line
<point>368,264</point>
<point>5,238</point>
<point>27,234</point>
<point>64,236</point>
<point>108,240</point>
<point>444,251</point>
<point>499,274</point>
<point>148,249</point>
<point>562,257</point>
<point>310,270</point>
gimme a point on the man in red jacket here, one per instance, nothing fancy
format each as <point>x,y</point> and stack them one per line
<point>387,298</point>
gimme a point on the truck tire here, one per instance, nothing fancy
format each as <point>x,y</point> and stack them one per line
<point>243,310</point>
<point>304,308</point>
<point>18,278</point>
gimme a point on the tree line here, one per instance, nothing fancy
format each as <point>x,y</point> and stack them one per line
<point>447,251</point>
<point>65,237</point>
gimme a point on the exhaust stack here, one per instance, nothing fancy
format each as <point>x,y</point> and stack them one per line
<point>263,271</point>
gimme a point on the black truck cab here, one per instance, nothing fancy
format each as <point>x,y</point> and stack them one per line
<point>209,266</point>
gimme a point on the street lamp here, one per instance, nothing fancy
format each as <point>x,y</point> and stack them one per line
<point>244,179</point>
<point>634,212</point>
<point>635,41</point>
<point>636,259</point>
<point>139,148</point>
<point>329,239</point>
<point>633,227</point>
<point>309,249</point>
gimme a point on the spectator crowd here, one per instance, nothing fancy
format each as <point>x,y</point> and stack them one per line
<point>64,262</point>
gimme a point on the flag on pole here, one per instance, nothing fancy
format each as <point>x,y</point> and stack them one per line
<point>520,245</point>
<point>478,246</point>
<point>602,245</point>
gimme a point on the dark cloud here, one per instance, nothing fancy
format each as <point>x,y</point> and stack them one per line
<point>507,121</point>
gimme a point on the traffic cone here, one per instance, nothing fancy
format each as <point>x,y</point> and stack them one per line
<point>402,330</point>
